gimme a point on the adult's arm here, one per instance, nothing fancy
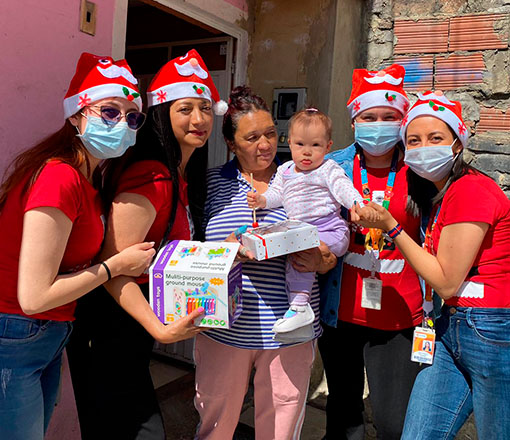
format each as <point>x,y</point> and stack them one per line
<point>319,259</point>
<point>46,231</point>
<point>457,249</point>
<point>130,219</point>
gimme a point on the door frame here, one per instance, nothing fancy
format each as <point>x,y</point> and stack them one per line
<point>192,11</point>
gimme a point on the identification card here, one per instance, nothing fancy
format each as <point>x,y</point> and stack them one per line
<point>424,341</point>
<point>371,293</point>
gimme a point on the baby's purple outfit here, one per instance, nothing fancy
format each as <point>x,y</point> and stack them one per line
<point>315,197</point>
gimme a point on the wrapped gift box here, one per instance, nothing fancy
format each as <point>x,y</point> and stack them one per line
<point>280,238</point>
<point>187,275</point>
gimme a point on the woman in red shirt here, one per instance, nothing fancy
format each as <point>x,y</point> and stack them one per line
<point>466,261</point>
<point>374,328</point>
<point>147,195</point>
<point>51,228</point>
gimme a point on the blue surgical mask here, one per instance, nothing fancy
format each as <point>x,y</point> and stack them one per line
<point>104,141</point>
<point>433,163</point>
<point>377,138</point>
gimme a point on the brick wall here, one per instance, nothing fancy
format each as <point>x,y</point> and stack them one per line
<point>461,47</point>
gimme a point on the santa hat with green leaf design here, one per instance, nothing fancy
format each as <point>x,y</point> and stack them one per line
<point>437,105</point>
<point>384,88</point>
<point>99,77</point>
<point>185,77</point>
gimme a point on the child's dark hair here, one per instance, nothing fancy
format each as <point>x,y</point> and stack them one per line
<point>311,115</point>
<point>241,102</point>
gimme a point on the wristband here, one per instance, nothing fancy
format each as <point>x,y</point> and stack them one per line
<point>393,233</point>
<point>107,270</point>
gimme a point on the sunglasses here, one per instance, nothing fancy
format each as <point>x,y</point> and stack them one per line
<point>112,115</point>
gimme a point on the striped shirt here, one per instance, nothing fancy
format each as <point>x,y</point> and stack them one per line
<point>264,295</point>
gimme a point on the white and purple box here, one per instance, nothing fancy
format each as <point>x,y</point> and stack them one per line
<point>280,238</point>
<point>187,275</point>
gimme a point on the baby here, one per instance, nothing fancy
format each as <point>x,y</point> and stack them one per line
<point>313,190</point>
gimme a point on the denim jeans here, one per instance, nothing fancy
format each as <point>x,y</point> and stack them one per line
<point>30,360</point>
<point>347,351</point>
<point>471,372</point>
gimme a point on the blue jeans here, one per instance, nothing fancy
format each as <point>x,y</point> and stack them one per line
<point>471,372</point>
<point>30,360</point>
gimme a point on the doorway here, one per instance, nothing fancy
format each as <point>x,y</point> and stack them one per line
<point>156,34</point>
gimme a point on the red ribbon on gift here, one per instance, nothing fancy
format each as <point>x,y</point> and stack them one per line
<point>263,243</point>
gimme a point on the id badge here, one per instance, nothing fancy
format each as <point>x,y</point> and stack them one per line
<point>371,293</point>
<point>424,341</point>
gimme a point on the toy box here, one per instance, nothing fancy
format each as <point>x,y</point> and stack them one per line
<point>187,275</point>
<point>280,238</point>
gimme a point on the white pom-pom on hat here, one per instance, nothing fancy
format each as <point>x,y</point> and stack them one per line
<point>220,107</point>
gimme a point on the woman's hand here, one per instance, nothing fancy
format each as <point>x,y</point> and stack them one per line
<point>183,328</point>
<point>319,259</point>
<point>384,220</point>
<point>133,260</point>
<point>243,254</point>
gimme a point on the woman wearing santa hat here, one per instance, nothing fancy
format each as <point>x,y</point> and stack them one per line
<point>372,302</point>
<point>51,228</point>
<point>156,193</point>
<point>466,261</point>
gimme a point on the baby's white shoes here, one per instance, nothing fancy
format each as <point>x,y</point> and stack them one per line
<point>294,318</point>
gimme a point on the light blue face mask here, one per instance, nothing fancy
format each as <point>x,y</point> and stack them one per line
<point>377,138</point>
<point>104,141</point>
<point>433,163</point>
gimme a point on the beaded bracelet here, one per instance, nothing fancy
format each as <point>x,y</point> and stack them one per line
<point>107,270</point>
<point>393,233</point>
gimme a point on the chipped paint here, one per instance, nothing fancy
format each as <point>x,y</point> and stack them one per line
<point>266,6</point>
<point>419,72</point>
<point>266,44</point>
<point>302,39</point>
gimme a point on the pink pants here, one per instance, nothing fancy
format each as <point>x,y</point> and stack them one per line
<point>280,384</point>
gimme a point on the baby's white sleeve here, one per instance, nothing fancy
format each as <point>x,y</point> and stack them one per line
<point>274,194</point>
<point>341,186</point>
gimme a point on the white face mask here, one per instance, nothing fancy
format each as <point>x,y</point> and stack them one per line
<point>377,138</point>
<point>433,163</point>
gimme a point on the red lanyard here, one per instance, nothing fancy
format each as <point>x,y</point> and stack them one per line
<point>428,245</point>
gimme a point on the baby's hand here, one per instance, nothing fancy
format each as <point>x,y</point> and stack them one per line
<point>255,200</point>
<point>368,214</point>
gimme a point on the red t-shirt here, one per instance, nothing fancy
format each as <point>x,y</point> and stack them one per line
<point>152,179</point>
<point>61,186</point>
<point>477,198</point>
<point>401,293</point>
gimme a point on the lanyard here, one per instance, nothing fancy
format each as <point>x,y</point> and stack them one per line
<point>429,247</point>
<point>375,235</point>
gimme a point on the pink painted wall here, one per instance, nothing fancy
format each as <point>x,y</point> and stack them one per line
<point>40,43</point>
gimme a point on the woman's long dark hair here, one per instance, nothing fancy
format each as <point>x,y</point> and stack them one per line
<point>156,141</point>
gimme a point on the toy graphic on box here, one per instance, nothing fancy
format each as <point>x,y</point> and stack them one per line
<point>280,238</point>
<point>187,275</point>
<point>218,252</point>
<point>186,301</point>
<point>189,251</point>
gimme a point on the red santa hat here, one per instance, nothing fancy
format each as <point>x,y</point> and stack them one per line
<point>185,77</point>
<point>378,89</point>
<point>99,77</point>
<point>437,105</point>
